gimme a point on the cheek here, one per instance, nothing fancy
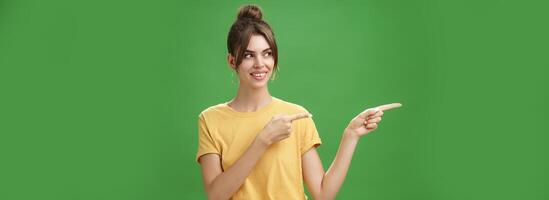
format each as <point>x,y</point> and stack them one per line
<point>245,65</point>
<point>243,69</point>
<point>270,63</point>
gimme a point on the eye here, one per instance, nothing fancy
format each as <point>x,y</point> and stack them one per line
<point>267,54</point>
<point>248,55</point>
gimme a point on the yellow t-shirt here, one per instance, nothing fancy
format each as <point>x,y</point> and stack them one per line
<point>277,175</point>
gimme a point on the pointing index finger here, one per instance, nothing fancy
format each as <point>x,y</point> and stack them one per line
<point>299,116</point>
<point>389,106</point>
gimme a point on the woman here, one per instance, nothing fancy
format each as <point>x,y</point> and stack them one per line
<point>260,147</point>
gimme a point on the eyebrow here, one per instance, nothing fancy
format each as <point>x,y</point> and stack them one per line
<point>250,51</point>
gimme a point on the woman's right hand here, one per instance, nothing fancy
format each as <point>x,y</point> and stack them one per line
<point>279,128</point>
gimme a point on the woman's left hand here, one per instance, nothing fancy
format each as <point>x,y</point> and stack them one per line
<point>368,120</point>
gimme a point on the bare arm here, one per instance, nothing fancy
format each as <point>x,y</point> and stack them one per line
<point>221,184</point>
<point>326,185</point>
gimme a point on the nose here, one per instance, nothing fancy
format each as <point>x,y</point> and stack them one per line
<point>259,62</point>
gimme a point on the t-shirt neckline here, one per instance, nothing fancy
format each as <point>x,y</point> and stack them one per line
<point>253,113</point>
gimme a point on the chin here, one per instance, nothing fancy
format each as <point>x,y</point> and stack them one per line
<point>253,84</point>
<point>259,85</point>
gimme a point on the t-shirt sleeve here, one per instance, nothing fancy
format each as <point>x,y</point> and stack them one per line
<point>309,135</point>
<point>206,142</point>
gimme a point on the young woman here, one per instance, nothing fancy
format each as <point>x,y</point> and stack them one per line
<point>257,146</point>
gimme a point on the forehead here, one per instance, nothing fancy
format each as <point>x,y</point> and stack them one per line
<point>257,43</point>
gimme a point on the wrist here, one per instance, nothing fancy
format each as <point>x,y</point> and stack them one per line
<point>350,134</point>
<point>262,139</point>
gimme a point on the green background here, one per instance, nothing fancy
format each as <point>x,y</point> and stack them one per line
<point>99,99</point>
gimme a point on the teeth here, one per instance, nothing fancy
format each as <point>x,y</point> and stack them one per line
<point>258,74</point>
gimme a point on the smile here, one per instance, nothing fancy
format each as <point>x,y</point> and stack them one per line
<point>259,75</point>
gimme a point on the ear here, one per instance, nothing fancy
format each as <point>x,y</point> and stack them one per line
<point>231,60</point>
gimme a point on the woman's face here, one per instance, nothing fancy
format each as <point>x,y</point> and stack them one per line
<point>257,64</point>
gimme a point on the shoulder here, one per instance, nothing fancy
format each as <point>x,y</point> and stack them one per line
<point>293,108</point>
<point>212,110</point>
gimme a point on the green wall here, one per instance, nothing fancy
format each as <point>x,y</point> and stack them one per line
<point>99,99</point>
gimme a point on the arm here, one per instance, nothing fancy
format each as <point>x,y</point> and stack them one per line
<point>222,185</point>
<point>326,185</point>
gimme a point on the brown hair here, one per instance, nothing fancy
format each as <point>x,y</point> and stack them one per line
<point>248,23</point>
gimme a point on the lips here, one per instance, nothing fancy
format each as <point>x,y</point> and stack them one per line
<point>259,75</point>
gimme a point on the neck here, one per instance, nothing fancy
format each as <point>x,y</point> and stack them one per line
<point>249,99</point>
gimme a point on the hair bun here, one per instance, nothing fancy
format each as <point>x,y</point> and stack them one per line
<point>250,11</point>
